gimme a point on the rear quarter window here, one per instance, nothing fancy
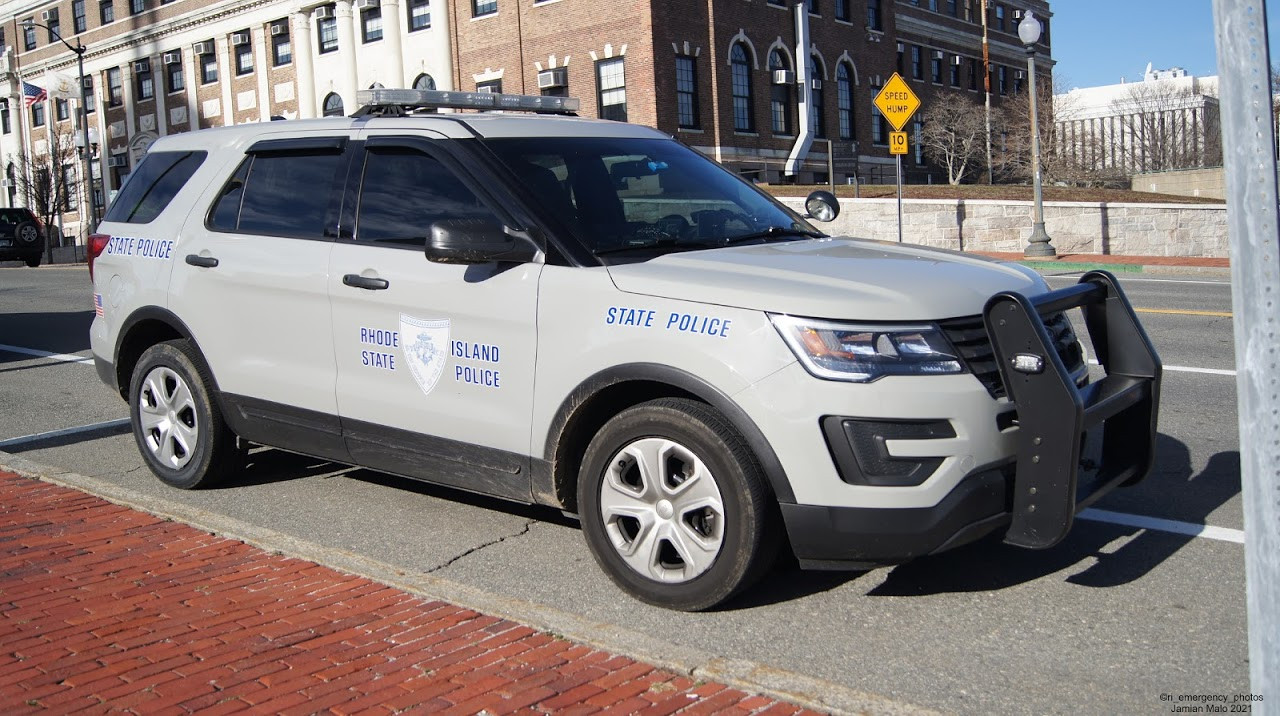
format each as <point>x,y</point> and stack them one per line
<point>151,186</point>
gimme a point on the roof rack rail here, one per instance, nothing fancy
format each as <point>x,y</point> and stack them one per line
<point>383,102</point>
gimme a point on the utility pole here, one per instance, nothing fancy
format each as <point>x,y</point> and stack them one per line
<point>986,86</point>
<point>1249,146</point>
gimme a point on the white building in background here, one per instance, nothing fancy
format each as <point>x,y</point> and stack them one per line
<point>157,67</point>
<point>1168,121</point>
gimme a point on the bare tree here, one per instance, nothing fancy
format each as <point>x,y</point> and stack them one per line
<point>954,135</point>
<point>1070,152</point>
<point>41,180</point>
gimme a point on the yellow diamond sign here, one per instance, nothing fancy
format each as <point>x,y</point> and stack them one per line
<point>897,102</point>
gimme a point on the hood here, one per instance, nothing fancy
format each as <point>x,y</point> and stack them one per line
<point>854,279</point>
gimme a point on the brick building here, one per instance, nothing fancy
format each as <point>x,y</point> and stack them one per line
<point>724,76</point>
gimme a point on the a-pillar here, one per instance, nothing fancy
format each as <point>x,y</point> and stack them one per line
<point>304,65</point>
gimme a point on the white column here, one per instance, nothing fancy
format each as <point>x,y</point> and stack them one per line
<point>130,117</point>
<point>347,53</point>
<point>442,57</point>
<point>18,121</point>
<point>261,63</point>
<point>304,65</point>
<point>162,96</point>
<point>392,28</point>
<point>191,68</point>
<point>224,79</point>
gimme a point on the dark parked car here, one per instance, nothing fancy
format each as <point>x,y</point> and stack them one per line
<point>20,236</point>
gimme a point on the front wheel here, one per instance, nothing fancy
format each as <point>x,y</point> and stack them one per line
<point>674,506</point>
<point>176,422</point>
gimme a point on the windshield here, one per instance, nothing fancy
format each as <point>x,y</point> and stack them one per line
<point>640,196</point>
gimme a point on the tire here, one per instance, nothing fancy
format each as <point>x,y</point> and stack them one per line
<point>33,261</point>
<point>27,234</point>
<point>700,532</point>
<point>176,422</point>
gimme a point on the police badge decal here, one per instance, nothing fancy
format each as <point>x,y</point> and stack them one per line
<point>425,344</point>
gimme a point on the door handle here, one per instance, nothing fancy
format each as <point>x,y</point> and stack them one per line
<point>355,280</point>
<point>202,261</point>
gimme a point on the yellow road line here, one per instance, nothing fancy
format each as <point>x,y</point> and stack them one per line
<point>1219,314</point>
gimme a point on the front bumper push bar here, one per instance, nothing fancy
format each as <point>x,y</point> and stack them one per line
<point>1054,414</point>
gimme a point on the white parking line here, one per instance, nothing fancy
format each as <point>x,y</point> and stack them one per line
<point>94,427</point>
<point>1224,534</point>
<point>63,357</point>
<point>1186,369</point>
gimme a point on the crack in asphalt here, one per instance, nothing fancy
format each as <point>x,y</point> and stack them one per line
<point>528,525</point>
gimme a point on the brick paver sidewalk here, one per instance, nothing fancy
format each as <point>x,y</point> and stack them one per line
<point>107,608</point>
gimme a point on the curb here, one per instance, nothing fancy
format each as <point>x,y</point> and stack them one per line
<point>805,691</point>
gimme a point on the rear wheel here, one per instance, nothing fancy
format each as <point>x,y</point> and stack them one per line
<point>176,423</point>
<point>673,505</point>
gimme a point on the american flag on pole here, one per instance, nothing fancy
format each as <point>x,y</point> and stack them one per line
<point>32,94</point>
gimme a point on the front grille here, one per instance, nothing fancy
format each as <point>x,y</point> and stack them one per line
<point>969,336</point>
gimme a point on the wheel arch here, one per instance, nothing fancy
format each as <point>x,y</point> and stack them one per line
<point>144,328</point>
<point>598,398</point>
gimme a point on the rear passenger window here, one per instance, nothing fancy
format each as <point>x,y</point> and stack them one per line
<point>287,194</point>
<point>404,191</point>
<point>153,185</point>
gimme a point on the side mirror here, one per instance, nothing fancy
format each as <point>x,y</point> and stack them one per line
<point>822,205</point>
<point>477,241</point>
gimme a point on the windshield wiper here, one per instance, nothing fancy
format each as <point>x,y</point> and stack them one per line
<point>656,245</point>
<point>773,232</point>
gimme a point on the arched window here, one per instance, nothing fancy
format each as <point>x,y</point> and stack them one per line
<point>817,120</point>
<point>844,100</point>
<point>740,64</point>
<point>424,82</point>
<point>333,105</point>
<point>779,95</point>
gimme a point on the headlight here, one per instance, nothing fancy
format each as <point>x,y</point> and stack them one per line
<point>863,353</point>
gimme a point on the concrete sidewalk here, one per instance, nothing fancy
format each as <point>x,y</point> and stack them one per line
<point>104,607</point>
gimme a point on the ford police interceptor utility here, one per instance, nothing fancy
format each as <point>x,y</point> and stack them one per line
<point>590,315</point>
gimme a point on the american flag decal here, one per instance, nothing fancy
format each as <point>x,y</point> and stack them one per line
<point>97,305</point>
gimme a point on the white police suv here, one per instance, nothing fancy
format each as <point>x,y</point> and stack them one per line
<point>590,315</point>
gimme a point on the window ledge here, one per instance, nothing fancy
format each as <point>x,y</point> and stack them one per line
<point>739,133</point>
<point>690,130</point>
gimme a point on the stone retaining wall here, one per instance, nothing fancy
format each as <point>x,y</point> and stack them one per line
<point>1189,230</point>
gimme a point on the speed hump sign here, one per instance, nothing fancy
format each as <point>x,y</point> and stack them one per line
<point>897,142</point>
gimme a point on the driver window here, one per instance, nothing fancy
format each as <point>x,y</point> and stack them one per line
<point>404,191</point>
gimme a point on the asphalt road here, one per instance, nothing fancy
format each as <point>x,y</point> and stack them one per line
<point>1105,622</point>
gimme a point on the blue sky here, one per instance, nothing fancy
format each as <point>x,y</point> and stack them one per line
<point>1096,42</point>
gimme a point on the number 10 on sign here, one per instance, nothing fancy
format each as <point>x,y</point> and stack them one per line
<point>897,142</point>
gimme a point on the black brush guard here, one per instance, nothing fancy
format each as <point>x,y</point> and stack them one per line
<point>1054,414</point>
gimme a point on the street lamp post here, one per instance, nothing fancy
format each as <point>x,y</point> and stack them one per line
<point>1038,243</point>
<point>86,161</point>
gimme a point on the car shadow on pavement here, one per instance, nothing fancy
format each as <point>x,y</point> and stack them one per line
<point>65,332</point>
<point>265,466</point>
<point>1172,491</point>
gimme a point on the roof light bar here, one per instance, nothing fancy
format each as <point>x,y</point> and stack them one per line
<point>438,99</point>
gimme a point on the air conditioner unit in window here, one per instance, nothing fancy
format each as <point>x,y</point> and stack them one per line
<point>487,89</point>
<point>88,82</point>
<point>937,54</point>
<point>955,60</point>
<point>558,77</point>
<point>816,84</point>
<point>203,48</point>
<point>366,4</point>
<point>172,58</point>
<point>322,13</point>
<point>279,27</point>
<point>142,66</point>
<point>118,161</point>
<point>49,15</point>
<point>4,103</point>
<point>239,38</point>
<point>783,77</point>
